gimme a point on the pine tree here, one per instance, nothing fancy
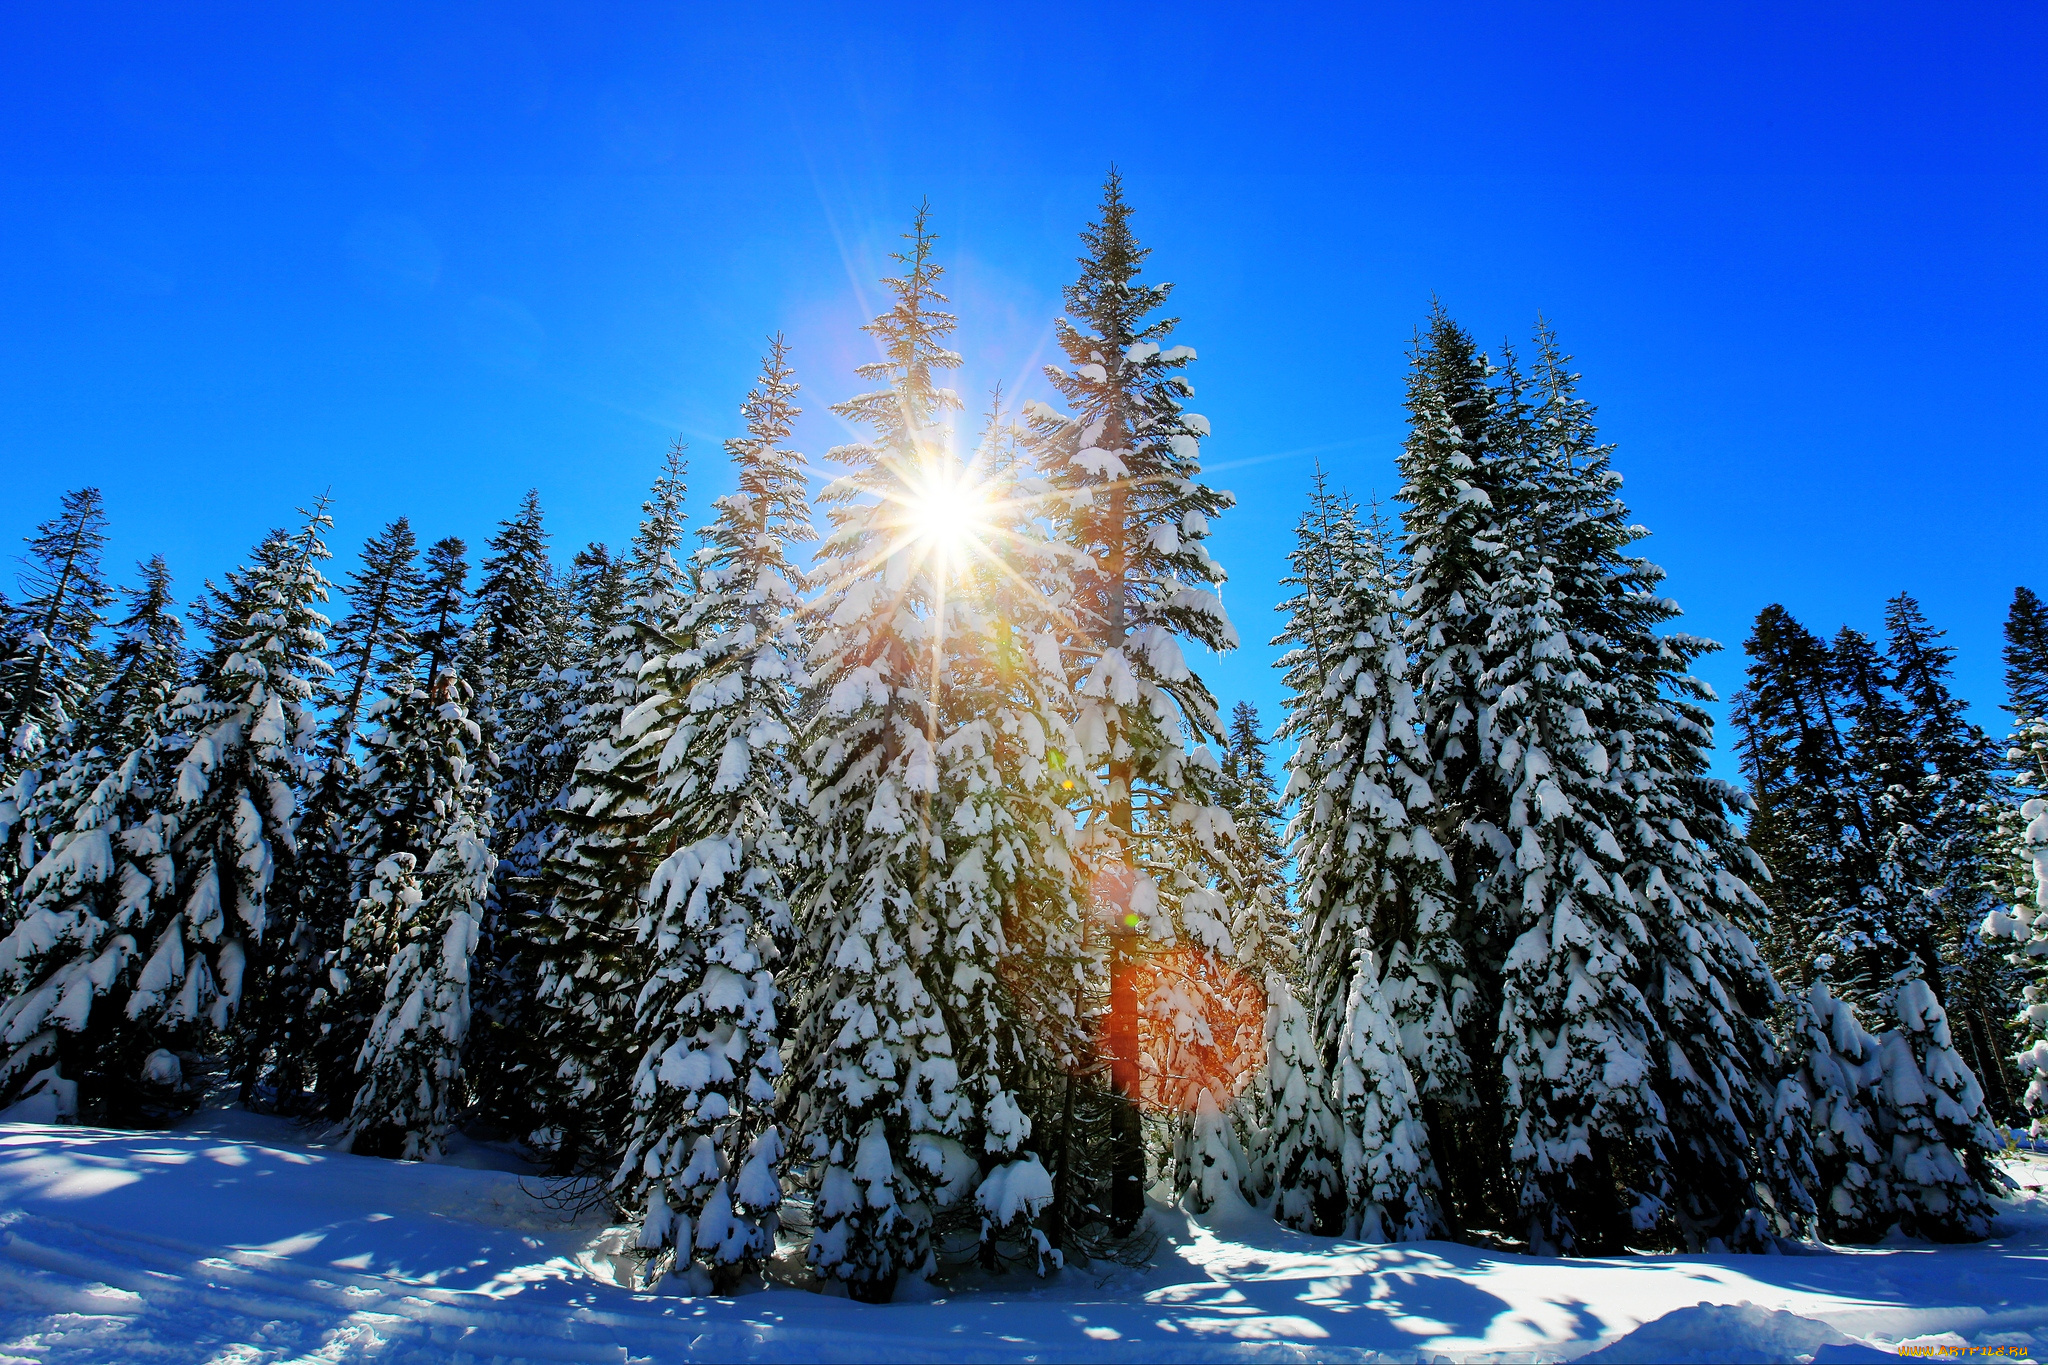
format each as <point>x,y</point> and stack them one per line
<point>279,1046</point>
<point>2024,931</point>
<point>202,819</point>
<point>615,832</point>
<point>1390,1183</point>
<point>2018,846</point>
<point>1462,482</point>
<point>439,629</point>
<point>1254,851</point>
<point>1836,1066</point>
<point>2026,656</point>
<point>1368,872</point>
<point>515,659</point>
<point>371,643</point>
<point>1010,952</point>
<point>1596,877</point>
<point>107,861</point>
<point>877,1088</point>
<point>706,1149</point>
<point>1956,815</point>
<point>1788,739</point>
<point>1689,865</point>
<point>1129,501</point>
<point>424,931</point>
<point>56,621</point>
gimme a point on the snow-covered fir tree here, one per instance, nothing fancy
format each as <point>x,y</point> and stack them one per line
<point>1253,852</point>
<point>515,660</point>
<point>1957,809</point>
<point>1788,740</point>
<point>615,830</point>
<point>421,925</point>
<point>157,925</point>
<point>1368,871</point>
<point>1124,464</point>
<point>706,1149</point>
<point>1834,1067</point>
<point>1598,882</point>
<point>2023,931</point>
<point>52,663</point>
<point>878,1098</point>
<point>277,1048</point>
<point>107,860</point>
<point>1687,862</point>
<point>1010,954</point>
<point>1461,478</point>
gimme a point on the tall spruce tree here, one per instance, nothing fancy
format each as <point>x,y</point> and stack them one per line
<point>1125,468</point>
<point>439,628</point>
<point>107,860</point>
<point>1593,864</point>
<point>1956,810</point>
<point>277,1049</point>
<point>1686,865</point>
<point>1787,721</point>
<point>878,1098</point>
<point>188,848</point>
<point>2021,927</point>
<point>52,667</point>
<point>371,643</point>
<point>706,1148</point>
<point>414,934</point>
<point>515,658</point>
<point>1462,481</point>
<point>616,829</point>
<point>1369,877</point>
<point>1010,951</point>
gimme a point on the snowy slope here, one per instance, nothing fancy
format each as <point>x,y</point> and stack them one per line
<point>231,1240</point>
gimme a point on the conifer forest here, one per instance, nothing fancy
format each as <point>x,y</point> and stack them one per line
<point>862,864</point>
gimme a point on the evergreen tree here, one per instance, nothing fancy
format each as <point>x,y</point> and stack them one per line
<point>1688,866</point>
<point>1010,953</point>
<point>1596,879</point>
<point>53,665</point>
<point>278,1048</point>
<point>1390,1183</point>
<point>1125,472</point>
<point>1254,852</point>
<point>1835,1070</point>
<point>1955,811</point>
<point>516,657</point>
<point>371,642</point>
<point>1368,871</point>
<point>440,629</point>
<point>1788,739</point>
<point>2026,656</point>
<point>423,931</point>
<point>1462,481</point>
<point>706,1149</point>
<point>152,946</point>
<point>877,1088</point>
<point>616,829</point>
<point>107,861</point>
<point>2024,930</point>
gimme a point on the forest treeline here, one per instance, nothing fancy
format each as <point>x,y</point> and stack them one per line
<point>872,866</point>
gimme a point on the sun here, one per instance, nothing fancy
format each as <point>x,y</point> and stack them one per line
<point>948,512</point>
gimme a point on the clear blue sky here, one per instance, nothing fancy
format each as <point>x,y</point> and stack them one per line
<point>431,256</point>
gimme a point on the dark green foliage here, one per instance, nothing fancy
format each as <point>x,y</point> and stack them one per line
<point>51,661</point>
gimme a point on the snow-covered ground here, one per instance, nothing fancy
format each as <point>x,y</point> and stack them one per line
<point>232,1240</point>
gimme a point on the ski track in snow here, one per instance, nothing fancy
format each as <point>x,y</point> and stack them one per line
<point>233,1241</point>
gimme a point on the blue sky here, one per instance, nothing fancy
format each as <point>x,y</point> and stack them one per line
<point>429,256</point>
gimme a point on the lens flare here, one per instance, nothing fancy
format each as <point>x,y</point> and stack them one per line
<point>948,512</point>
<point>1201,1027</point>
